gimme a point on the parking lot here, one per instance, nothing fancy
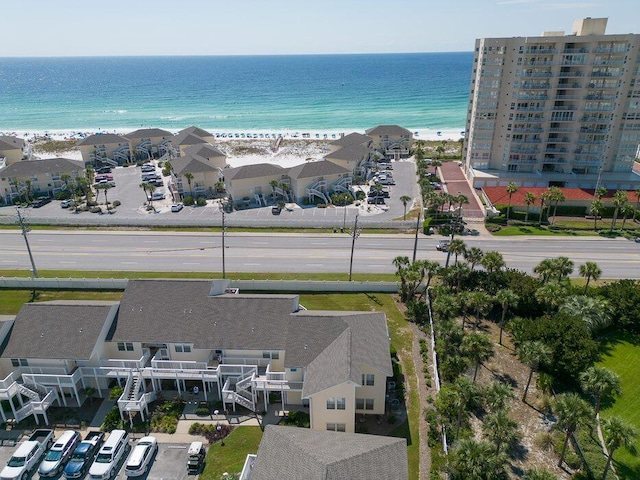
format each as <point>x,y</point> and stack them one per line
<point>169,463</point>
<point>132,198</point>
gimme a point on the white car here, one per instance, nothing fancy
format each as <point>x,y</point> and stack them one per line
<point>176,207</point>
<point>141,455</point>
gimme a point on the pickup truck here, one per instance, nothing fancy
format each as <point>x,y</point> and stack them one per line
<point>83,455</point>
<point>26,458</point>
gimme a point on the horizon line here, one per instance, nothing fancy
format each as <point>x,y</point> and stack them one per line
<point>231,55</point>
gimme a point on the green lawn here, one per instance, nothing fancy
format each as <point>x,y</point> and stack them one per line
<point>401,339</point>
<point>230,456</point>
<point>621,353</point>
<point>539,231</point>
<point>358,277</point>
<point>11,300</point>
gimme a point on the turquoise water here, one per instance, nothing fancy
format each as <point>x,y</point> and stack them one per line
<point>310,92</point>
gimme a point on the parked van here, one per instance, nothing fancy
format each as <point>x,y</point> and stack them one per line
<point>138,461</point>
<point>195,459</point>
<point>157,195</point>
<point>58,454</point>
<point>109,456</point>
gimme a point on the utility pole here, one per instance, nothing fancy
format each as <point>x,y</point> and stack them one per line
<point>344,219</point>
<point>25,230</point>
<point>223,230</point>
<point>415,241</point>
<point>355,234</point>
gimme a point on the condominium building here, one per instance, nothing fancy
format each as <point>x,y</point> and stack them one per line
<point>556,109</point>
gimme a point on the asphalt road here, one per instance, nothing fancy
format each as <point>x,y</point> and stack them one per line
<point>260,252</point>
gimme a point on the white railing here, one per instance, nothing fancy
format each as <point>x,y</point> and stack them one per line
<point>68,380</point>
<point>114,362</point>
<point>252,361</point>
<point>8,381</point>
<point>45,370</point>
<point>178,365</point>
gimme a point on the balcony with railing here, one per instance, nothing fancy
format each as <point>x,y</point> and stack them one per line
<point>557,160</point>
<point>599,108</point>
<point>575,50</point>
<point>532,85</point>
<point>592,141</point>
<point>567,96</point>
<point>561,129</point>
<point>116,366</point>
<point>569,85</point>
<point>533,74</point>
<point>572,74</point>
<point>526,129</point>
<point>600,96</point>
<point>539,51</point>
<point>559,140</point>
<point>532,96</point>
<point>528,108</point>
<point>523,150</point>
<point>526,140</point>
<point>613,48</point>
<point>556,150</point>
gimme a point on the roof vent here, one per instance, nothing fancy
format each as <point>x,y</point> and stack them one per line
<point>42,335</point>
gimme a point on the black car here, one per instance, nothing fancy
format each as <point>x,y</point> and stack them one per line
<point>276,209</point>
<point>376,200</point>
<point>104,170</point>
<point>381,193</point>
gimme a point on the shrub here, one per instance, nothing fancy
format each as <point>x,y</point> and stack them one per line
<point>188,200</point>
<point>116,203</point>
<point>297,419</point>
<point>201,201</point>
<point>63,195</point>
<point>95,210</point>
<point>112,420</point>
<point>212,432</point>
<point>116,392</point>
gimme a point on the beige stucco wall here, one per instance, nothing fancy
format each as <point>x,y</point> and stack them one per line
<point>11,155</point>
<point>247,187</point>
<point>87,150</point>
<point>299,186</point>
<point>195,355</point>
<point>348,164</point>
<point>206,180</point>
<point>320,416</point>
<point>43,183</point>
<point>111,352</point>
<point>377,392</point>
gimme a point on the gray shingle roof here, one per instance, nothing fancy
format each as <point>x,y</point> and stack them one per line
<point>187,139</point>
<point>351,139</point>
<point>393,130</point>
<point>7,142</point>
<point>148,133</point>
<point>350,152</point>
<point>182,311</point>
<point>301,453</point>
<point>364,342</point>
<point>103,139</point>
<point>316,169</point>
<point>253,171</point>
<point>57,330</point>
<point>195,131</point>
<point>191,164</point>
<point>204,150</point>
<point>39,167</point>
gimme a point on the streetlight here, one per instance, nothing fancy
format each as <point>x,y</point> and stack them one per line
<point>223,259</point>
<point>415,241</point>
<point>354,234</point>
<point>25,230</point>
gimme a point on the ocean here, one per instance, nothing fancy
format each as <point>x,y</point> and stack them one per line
<point>426,91</point>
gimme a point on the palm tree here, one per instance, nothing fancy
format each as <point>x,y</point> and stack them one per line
<point>637,194</point>
<point>150,190</point>
<point>506,298</point>
<point>617,433</point>
<point>563,267</point>
<point>627,211</point>
<point>595,209</point>
<point>28,185</point>
<point>545,269</point>
<point>189,177</point>
<point>274,185</point>
<point>601,383</point>
<point>474,460</point>
<point>533,354</point>
<point>496,396</point>
<point>620,199</point>
<point>594,312</point>
<point>570,410</point>
<point>105,187</point>
<point>461,199</point>
<point>405,199</point>
<point>544,203</point>
<point>539,474</point>
<point>428,269</point>
<point>402,266</point>
<point>446,307</point>
<point>599,193</point>
<point>478,348</point>
<point>556,196</point>
<point>500,429</point>
<point>439,151</point>
<point>474,256</point>
<point>529,199</point>
<point>511,189</point>
<point>589,270</point>
<point>145,187</point>
<point>457,247</point>
<point>493,261</point>
<point>480,302</point>
<point>552,295</point>
<point>466,393</point>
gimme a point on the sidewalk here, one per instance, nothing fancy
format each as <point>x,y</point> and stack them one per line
<point>455,182</point>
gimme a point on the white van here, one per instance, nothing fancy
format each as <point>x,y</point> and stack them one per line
<point>109,456</point>
<point>158,195</point>
<point>138,461</point>
<point>58,454</point>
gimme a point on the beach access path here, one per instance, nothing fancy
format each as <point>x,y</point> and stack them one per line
<point>455,182</point>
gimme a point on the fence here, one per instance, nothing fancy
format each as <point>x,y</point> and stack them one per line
<point>436,374</point>
<point>244,285</point>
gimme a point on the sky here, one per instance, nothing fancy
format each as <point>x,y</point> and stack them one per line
<point>43,28</point>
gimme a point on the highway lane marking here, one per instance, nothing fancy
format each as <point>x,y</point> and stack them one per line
<point>9,261</point>
<point>62,261</point>
<point>261,243</point>
<point>314,265</point>
<point>129,263</point>
<point>150,241</point>
<point>251,264</point>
